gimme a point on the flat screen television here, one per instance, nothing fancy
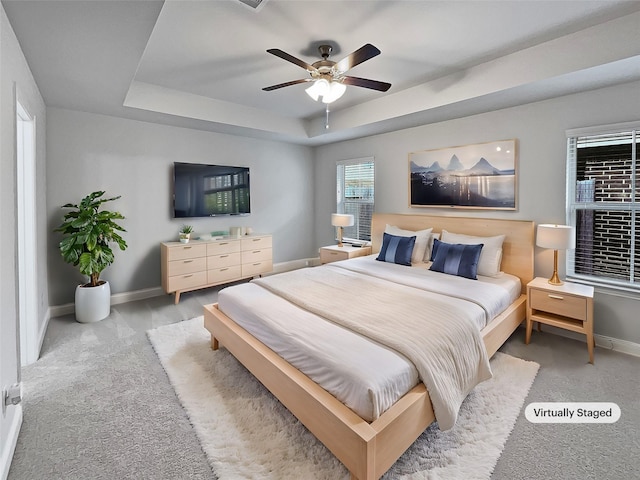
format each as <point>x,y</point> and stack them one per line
<point>210,190</point>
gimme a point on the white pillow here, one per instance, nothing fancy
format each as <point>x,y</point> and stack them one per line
<point>422,241</point>
<point>491,255</point>
<point>427,255</point>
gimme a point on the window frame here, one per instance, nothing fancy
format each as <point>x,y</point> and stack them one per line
<point>340,200</point>
<point>631,285</point>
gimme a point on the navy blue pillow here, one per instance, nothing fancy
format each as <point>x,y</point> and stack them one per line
<point>396,249</point>
<point>456,259</point>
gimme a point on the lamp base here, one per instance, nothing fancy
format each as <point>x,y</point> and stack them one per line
<point>555,279</point>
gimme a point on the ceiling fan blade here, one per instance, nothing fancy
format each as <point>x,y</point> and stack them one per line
<point>363,54</point>
<point>366,83</point>
<point>286,84</point>
<point>290,58</point>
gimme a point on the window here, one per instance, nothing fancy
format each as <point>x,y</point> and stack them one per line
<point>603,204</point>
<point>355,189</point>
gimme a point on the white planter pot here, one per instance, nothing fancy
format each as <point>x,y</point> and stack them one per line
<point>93,303</point>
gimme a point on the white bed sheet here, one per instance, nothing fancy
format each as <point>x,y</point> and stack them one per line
<point>364,375</point>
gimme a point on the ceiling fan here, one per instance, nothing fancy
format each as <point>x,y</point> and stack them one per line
<point>328,77</point>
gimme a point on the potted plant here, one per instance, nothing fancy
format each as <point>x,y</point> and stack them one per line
<point>88,233</point>
<point>185,233</point>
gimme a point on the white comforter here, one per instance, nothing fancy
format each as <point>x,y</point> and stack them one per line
<point>436,332</point>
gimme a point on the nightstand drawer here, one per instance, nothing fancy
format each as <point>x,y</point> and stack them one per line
<point>559,304</point>
<point>328,256</point>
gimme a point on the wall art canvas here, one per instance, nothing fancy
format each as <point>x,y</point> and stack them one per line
<point>473,176</point>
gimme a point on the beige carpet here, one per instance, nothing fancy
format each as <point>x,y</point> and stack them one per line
<point>246,433</point>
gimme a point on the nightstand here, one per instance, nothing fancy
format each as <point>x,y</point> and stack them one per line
<point>568,306</point>
<point>333,253</point>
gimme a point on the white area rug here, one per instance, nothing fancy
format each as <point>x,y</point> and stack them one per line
<point>246,433</point>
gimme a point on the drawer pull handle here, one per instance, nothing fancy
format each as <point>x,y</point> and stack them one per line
<point>557,297</point>
<point>223,243</point>
<point>333,253</point>
<point>256,240</point>
<point>224,269</point>
<point>186,248</point>
<point>188,261</point>
<point>187,276</point>
<point>256,251</point>
<point>257,264</point>
<point>224,256</point>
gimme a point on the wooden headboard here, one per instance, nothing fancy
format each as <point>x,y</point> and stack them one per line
<point>517,249</point>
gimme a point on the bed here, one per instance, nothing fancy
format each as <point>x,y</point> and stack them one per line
<point>369,446</point>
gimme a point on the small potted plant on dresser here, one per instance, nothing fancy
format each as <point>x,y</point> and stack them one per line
<point>185,233</point>
<point>87,232</point>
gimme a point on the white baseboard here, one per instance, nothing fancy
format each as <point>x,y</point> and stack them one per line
<point>602,341</point>
<point>116,298</point>
<point>9,447</point>
<point>295,264</point>
<point>124,297</point>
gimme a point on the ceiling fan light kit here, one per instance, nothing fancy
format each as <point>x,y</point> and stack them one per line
<point>330,91</point>
<point>328,77</point>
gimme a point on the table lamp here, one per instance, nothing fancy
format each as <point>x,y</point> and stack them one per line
<point>341,220</point>
<point>558,237</point>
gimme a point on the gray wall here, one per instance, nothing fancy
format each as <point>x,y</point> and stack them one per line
<point>88,152</point>
<point>16,76</point>
<point>540,130</point>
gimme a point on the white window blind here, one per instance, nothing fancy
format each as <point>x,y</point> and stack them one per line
<point>355,195</point>
<point>603,204</point>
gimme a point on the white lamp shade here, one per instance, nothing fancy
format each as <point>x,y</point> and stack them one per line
<point>329,91</point>
<point>319,88</point>
<point>336,90</point>
<point>341,220</point>
<point>557,237</point>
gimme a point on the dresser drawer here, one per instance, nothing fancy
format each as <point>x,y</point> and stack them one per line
<point>256,268</point>
<point>256,255</point>
<point>254,243</point>
<point>188,265</point>
<point>559,304</point>
<point>224,260</point>
<point>186,281</point>
<point>219,248</point>
<point>181,252</point>
<point>224,274</point>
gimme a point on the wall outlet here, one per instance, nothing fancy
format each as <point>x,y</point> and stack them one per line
<point>11,395</point>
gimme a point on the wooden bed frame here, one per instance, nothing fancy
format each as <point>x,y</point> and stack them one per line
<point>369,449</point>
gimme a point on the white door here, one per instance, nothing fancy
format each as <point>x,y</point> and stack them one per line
<point>26,203</point>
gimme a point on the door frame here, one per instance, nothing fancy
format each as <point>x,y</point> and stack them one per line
<point>26,234</point>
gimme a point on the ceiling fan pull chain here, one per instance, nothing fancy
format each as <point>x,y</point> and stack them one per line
<point>326,122</point>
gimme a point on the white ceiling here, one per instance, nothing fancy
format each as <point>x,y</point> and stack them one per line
<point>202,64</point>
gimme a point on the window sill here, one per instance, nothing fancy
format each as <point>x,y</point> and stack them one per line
<point>609,287</point>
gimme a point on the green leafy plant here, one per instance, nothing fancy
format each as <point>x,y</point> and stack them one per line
<point>88,231</point>
<point>186,229</point>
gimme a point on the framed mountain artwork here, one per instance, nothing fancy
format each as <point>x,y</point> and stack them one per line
<point>473,176</point>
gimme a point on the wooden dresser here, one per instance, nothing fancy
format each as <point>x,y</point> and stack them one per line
<point>199,264</point>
